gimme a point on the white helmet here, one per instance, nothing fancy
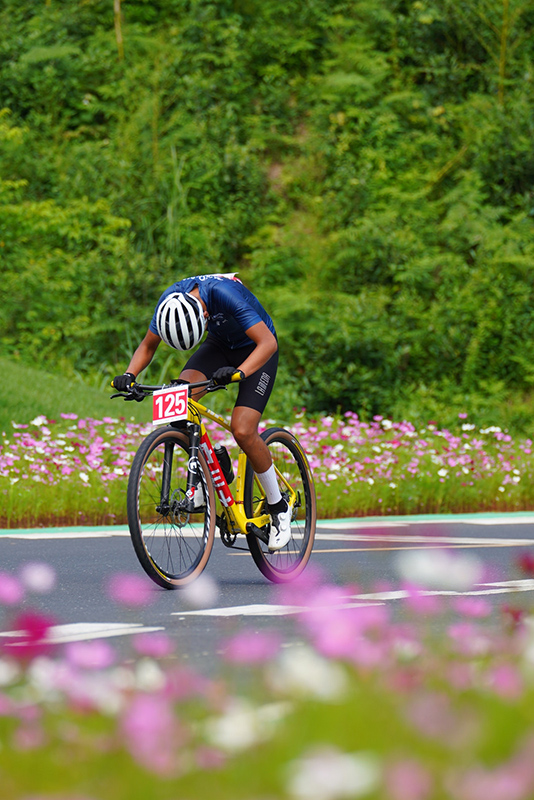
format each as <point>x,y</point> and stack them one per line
<point>180,321</point>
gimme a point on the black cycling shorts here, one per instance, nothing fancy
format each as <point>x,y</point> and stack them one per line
<point>254,392</point>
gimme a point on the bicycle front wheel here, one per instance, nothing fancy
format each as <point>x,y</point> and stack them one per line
<point>282,566</point>
<point>172,545</point>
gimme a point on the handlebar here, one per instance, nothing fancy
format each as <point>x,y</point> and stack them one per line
<point>139,391</point>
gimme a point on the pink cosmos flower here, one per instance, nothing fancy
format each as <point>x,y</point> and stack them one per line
<point>30,636</point>
<point>252,648</point>
<point>506,680</point>
<point>155,645</point>
<point>469,639</point>
<point>131,590</point>
<point>421,602</point>
<point>97,654</point>
<point>472,606</point>
<point>525,563</point>
<point>408,780</point>
<point>509,781</point>
<point>341,631</point>
<point>152,733</point>
<point>11,589</point>
<point>208,758</point>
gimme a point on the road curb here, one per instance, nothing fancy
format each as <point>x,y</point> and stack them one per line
<point>517,517</point>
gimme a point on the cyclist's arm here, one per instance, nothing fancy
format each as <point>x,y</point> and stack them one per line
<point>266,346</point>
<point>144,353</point>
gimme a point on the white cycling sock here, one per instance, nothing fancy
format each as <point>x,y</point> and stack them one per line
<point>269,484</point>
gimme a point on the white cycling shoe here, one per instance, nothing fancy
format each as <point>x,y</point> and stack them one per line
<point>280,528</point>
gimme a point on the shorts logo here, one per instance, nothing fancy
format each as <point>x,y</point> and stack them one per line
<point>263,383</point>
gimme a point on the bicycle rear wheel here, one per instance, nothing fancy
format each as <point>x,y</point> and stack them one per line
<point>173,546</point>
<point>282,566</point>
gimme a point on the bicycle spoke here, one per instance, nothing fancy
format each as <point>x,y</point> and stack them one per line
<point>296,484</point>
<point>172,545</point>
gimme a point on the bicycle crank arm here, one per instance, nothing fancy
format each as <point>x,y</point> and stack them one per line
<point>260,533</point>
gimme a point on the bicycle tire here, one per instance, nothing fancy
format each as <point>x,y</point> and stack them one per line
<point>283,566</point>
<point>173,547</point>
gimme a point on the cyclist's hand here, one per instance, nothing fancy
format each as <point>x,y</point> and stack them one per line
<point>224,375</point>
<point>122,383</point>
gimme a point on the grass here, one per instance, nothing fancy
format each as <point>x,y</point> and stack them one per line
<point>26,393</point>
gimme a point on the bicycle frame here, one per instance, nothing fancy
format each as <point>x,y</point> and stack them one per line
<point>233,507</point>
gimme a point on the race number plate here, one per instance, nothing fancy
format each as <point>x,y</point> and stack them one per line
<point>169,405</point>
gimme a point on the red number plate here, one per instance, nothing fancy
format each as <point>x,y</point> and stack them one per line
<point>169,404</point>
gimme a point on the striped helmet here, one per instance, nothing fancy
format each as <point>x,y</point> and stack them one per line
<point>180,321</point>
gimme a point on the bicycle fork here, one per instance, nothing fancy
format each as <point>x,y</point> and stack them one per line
<point>164,505</point>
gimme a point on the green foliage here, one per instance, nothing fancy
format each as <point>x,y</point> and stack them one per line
<point>366,166</point>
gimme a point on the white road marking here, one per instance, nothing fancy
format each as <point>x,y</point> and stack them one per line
<point>370,598</point>
<point>83,631</point>
<point>260,610</point>
<point>376,537</point>
<point>386,522</point>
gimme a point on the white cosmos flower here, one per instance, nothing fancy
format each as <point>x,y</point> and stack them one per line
<point>244,725</point>
<point>326,773</point>
<point>439,569</point>
<point>201,593</point>
<point>37,577</point>
<point>301,672</point>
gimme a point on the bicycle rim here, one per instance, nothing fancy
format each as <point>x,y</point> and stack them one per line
<point>173,547</point>
<point>284,565</point>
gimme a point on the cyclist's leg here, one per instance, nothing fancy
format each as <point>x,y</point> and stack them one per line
<point>245,422</point>
<point>251,401</point>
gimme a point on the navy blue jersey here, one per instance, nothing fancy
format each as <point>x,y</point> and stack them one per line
<point>232,308</point>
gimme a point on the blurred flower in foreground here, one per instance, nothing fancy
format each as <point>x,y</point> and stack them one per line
<point>525,563</point>
<point>301,672</point>
<point>90,655</point>
<point>509,780</point>
<point>38,577</point>
<point>250,647</point>
<point>439,569</point>
<point>152,733</point>
<point>243,725</point>
<point>408,780</point>
<point>156,645</point>
<point>11,590</point>
<point>326,773</point>
<point>29,636</point>
<point>126,589</point>
<point>201,593</point>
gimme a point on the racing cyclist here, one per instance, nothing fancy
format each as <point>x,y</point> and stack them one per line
<point>241,338</point>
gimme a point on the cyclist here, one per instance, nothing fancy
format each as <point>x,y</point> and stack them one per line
<point>241,338</point>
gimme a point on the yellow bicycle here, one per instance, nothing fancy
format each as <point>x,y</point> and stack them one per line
<point>177,475</point>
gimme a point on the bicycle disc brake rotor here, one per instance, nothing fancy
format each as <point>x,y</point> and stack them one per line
<point>177,512</point>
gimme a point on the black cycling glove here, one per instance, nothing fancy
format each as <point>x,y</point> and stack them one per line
<point>223,375</point>
<point>123,382</point>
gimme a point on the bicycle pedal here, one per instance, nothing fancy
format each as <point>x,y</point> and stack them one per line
<point>260,533</point>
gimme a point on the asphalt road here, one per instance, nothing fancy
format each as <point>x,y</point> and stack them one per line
<point>364,553</point>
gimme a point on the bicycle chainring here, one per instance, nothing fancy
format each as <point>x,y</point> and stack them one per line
<point>228,538</point>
